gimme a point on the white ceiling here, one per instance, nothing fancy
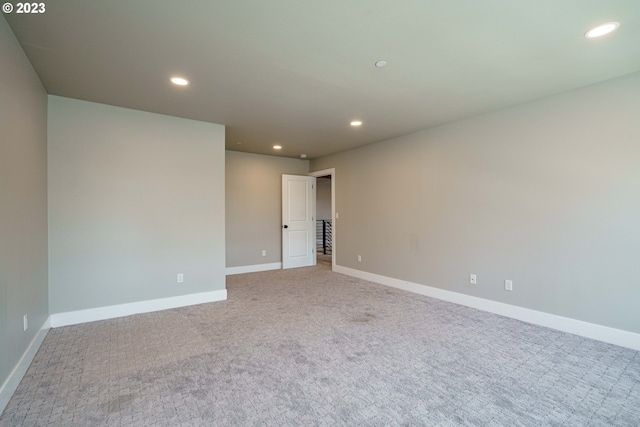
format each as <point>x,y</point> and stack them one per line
<point>296,72</point>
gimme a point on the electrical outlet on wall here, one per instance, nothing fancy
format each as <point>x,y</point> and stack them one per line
<point>508,285</point>
<point>473,279</point>
<point>359,258</point>
<point>180,277</point>
<point>264,252</point>
<point>25,322</point>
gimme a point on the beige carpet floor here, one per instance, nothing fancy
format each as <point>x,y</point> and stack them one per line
<point>308,347</point>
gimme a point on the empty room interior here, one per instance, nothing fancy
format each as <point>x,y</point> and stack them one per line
<point>320,213</point>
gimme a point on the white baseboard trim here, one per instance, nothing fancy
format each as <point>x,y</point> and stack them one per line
<point>13,380</point>
<point>253,268</point>
<point>113,311</point>
<point>589,330</point>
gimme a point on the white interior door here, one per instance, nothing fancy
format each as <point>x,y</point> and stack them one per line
<point>298,221</point>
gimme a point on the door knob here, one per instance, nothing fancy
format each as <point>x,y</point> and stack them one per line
<point>285,226</point>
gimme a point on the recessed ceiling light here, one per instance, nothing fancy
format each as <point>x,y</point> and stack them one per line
<point>303,156</point>
<point>239,143</point>
<point>602,30</point>
<point>179,81</point>
<point>381,63</point>
<point>277,147</point>
<point>356,123</point>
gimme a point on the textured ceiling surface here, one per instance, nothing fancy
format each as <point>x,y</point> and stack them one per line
<point>295,73</point>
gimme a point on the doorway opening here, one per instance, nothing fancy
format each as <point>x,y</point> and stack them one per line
<point>324,222</point>
<point>325,217</point>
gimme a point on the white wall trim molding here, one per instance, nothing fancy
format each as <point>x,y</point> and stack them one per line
<point>121,310</point>
<point>577,327</point>
<point>11,383</point>
<point>253,268</point>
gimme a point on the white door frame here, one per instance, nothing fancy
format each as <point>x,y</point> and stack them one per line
<point>332,172</point>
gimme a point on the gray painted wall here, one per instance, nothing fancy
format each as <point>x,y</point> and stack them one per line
<point>323,199</point>
<point>254,206</point>
<point>546,194</point>
<point>134,199</point>
<point>23,202</point>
